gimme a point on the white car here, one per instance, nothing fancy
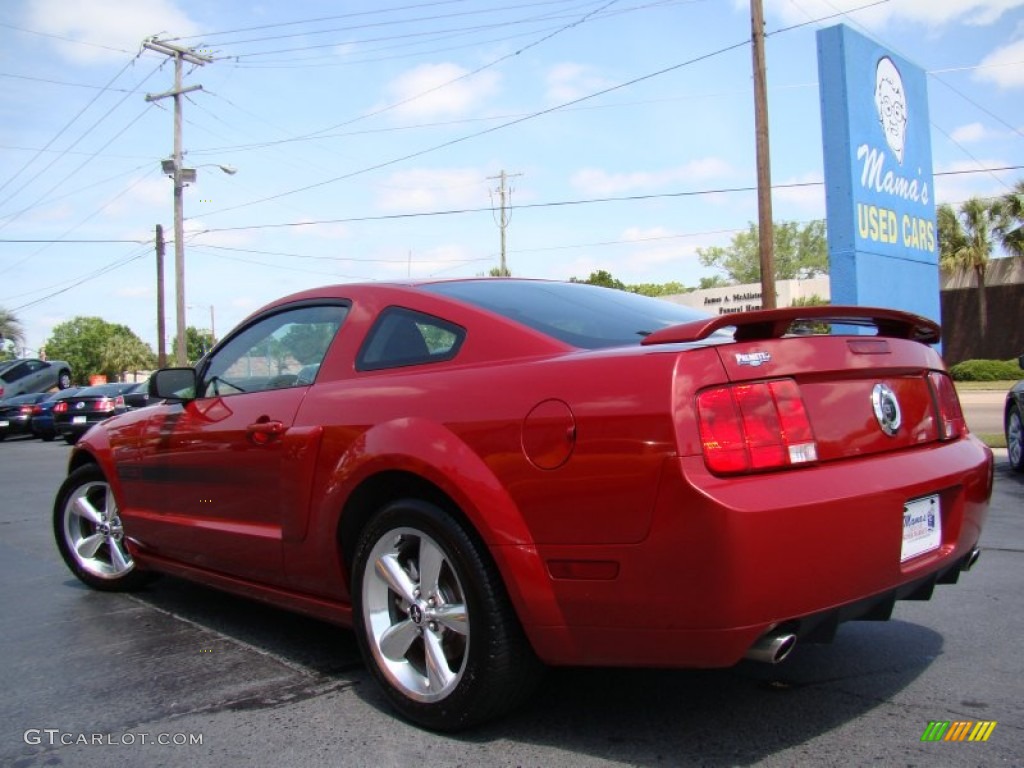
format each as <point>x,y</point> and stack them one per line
<point>31,375</point>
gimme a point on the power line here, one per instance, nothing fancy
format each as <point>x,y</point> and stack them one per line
<point>563,203</point>
<point>493,129</point>
<point>59,134</point>
<point>63,82</point>
<point>65,39</point>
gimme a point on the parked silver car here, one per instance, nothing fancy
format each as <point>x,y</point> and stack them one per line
<point>32,375</point>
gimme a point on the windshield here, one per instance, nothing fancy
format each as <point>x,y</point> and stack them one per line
<point>579,314</point>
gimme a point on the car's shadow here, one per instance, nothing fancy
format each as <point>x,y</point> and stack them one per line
<point>735,716</point>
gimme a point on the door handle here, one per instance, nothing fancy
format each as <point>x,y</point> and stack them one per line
<point>264,431</point>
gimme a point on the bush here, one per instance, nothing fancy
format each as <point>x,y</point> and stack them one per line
<point>986,370</point>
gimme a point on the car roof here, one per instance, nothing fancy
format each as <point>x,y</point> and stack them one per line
<point>115,388</point>
<point>27,397</point>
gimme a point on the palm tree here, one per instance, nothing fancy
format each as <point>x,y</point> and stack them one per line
<point>10,328</point>
<point>1010,227</point>
<point>965,241</point>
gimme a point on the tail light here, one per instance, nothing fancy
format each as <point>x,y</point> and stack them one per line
<point>109,404</point>
<point>37,410</point>
<point>26,410</point>
<point>755,427</point>
<point>61,407</point>
<point>951,418</point>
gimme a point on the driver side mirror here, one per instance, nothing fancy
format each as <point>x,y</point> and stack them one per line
<point>173,384</point>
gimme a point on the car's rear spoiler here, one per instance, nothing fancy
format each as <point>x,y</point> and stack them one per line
<point>773,323</point>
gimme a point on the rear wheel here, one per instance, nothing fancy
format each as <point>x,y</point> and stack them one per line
<point>1015,438</point>
<point>433,620</point>
<point>87,527</point>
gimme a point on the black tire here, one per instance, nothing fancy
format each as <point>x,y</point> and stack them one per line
<point>64,379</point>
<point>461,619</point>
<point>70,439</point>
<point>88,532</point>
<point>1015,438</point>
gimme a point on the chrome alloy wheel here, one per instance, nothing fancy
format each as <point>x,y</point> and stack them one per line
<point>93,533</point>
<point>415,614</point>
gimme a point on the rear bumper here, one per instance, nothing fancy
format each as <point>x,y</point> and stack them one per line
<point>730,559</point>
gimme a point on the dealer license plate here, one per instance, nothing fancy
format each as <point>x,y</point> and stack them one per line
<point>922,527</point>
<point>78,419</point>
<point>5,423</point>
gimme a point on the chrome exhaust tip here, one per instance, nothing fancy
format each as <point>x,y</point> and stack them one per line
<point>971,559</point>
<point>771,648</point>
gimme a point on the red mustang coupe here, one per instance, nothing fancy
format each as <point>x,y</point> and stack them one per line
<point>484,477</point>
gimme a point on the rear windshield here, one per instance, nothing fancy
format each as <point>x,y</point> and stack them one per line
<point>579,314</point>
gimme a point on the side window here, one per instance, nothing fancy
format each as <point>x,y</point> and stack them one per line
<point>284,349</point>
<point>17,372</point>
<point>403,337</point>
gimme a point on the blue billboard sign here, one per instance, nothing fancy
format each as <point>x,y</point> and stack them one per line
<point>883,239</point>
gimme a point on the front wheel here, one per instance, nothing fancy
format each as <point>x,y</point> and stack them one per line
<point>64,380</point>
<point>1015,438</point>
<point>434,622</point>
<point>89,535</point>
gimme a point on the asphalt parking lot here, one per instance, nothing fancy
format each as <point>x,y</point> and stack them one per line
<point>182,675</point>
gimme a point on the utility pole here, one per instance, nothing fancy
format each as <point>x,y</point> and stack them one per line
<point>505,196</point>
<point>765,227</point>
<point>180,175</point>
<point>161,331</point>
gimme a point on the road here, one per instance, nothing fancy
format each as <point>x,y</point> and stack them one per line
<point>94,679</point>
<point>984,411</point>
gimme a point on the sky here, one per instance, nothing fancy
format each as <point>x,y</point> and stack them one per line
<point>368,139</point>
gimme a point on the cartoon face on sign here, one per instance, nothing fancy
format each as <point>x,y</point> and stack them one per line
<point>891,103</point>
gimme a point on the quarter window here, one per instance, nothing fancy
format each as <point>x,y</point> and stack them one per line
<point>402,337</point>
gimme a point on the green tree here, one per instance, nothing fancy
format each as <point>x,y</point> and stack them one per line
<point>307,343</point>
<point>715,281</point>
<point>801,251</point>
<point>82,342</point>
<point>670,288</point>
<point>603,278</point>
<point>1009,231</point>
<point>11,331</point>
<point>197,343</point>
<point>125,352</point>
<point>966,239</point>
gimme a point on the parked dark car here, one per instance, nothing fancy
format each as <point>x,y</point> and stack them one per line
<point>486,475</point>
<point>1014,421</point>
<point>16,413</point>
<point>42,413</point>
<point>73,416</point>
<point>32,375</point>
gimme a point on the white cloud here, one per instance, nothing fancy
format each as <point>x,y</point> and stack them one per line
<point>957,187</point>
<point>806,193</point>
<point>135,291</point>
<point>100,25</point>
<point>596,181</point>
<point>968,134</point>
<point>931,13</point>
<point>439,260</point>
<point>195,234</point>
<point>435,90</point>
<point>151,193</point>
<point>1003,66</point>
<point>425,189</point>
<point>568,82</point>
